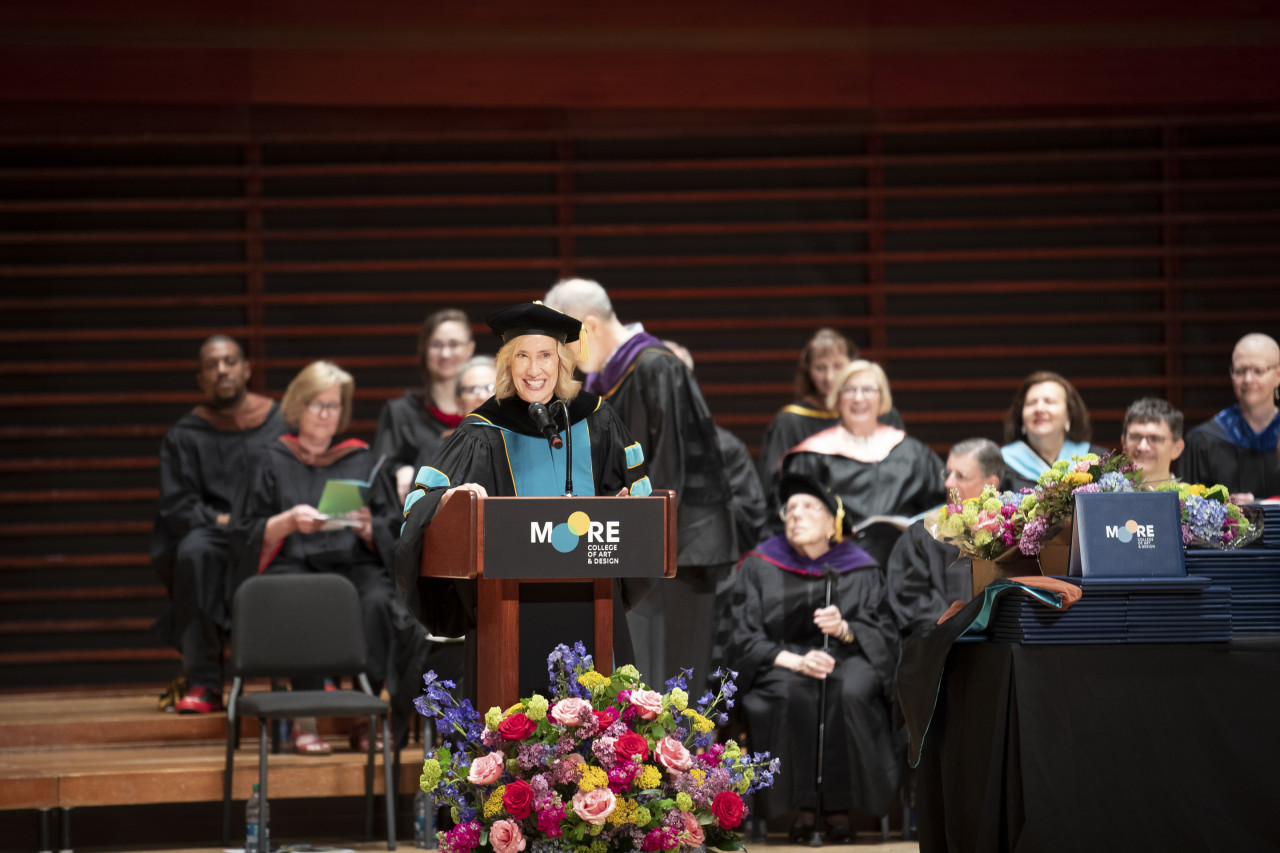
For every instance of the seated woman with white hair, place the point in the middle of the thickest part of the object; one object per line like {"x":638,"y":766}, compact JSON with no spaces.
{"x":875,"y":469}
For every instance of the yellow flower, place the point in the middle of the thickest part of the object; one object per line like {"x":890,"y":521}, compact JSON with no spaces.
{"x":623,"y":812}
{"x":699,"y":775}
{"x":650,"y":777}
{"x":493,"y":805}
{"x":1197,"y":489}
{"x":700,"y":724}
{"x":1078,"y":478}
{"x":592,"y":680}
{"x":519,"y":706}
{"x":591,"y":778}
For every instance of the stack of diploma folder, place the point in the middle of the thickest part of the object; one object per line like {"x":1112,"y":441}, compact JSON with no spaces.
{"x":1271,"y":525}
{"x":1253,"y":574}
{"x":1122,"y":610}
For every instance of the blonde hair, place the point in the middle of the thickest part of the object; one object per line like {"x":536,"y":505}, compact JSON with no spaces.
{"x":861,"y":365}
{"x":313,"y":380}
{"x":504,"y":386}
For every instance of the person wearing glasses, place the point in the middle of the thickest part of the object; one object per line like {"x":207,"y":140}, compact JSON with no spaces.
{"x":1152,"y":438}
{"x":876,"y":469}
{"x":823,"y":357}
{"x":413,"y":426}
{"x":475,"y":383}
{"x":779,"y":617}
{"x":1238,"y":447}
{"x":925,"y":575}
{"x":277,"y":528}
{"x":1046,"y":422}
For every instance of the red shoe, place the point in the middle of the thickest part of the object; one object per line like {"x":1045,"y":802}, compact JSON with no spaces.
{"x":200,"y":700}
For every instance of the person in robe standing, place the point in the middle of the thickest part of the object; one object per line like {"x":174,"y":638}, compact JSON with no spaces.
{"x":499,"y":450}
{"x":277,"y":528}
{"x":925,"y":576}
{"x":1046,"y":422}
{"x":1238,"y":447}
{"x":414,"y":425}
{"x":779,"y":618}
{"x":201,"y":459}
{"x":662,"y":406}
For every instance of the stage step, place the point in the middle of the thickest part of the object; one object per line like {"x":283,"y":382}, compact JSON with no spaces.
{"x":80,"y":748}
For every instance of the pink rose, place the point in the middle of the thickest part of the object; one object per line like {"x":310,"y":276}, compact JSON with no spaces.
{"x":486,"y":769}
{"x":672,"y":755}
{"x":694,"y":836}
{"x":647,"y":703}
{"x":594,"y":807}
{"x":506,"y":837}
{"x":570,"y":712}
{"x":988,"y":521}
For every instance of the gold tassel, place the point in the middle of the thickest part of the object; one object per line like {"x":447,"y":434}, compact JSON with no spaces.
{"x":839,"y":520}
{"x":583,"y":352}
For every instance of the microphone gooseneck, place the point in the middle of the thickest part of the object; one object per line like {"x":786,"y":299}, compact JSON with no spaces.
{"x":542,"y":420}
{"x":568,"y":451}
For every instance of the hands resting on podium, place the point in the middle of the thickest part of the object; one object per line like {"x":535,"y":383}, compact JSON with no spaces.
{"x":480,"y":490}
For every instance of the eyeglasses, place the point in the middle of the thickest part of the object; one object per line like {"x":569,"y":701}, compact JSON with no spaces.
{"x":439,"y":346}
{"x":476,"y":390}
{"x":1252,"y":372}
{"x":324,"y":408}
{"x":864,"y":390}
{"x":1136,"y":438}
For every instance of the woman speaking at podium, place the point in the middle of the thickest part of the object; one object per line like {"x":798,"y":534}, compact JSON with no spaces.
{"x":504,"y":449}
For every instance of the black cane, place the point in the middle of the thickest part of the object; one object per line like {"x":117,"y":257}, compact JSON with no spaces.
{"x":815,"y":840}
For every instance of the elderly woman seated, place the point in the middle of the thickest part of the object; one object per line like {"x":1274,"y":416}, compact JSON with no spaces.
{"x":787,"y":642}
{"x":276,"y":528}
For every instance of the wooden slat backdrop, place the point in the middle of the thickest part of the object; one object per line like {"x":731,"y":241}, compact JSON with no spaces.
{"x":1127,"y":253}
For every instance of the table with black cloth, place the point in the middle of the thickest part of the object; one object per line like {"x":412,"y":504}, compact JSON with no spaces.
{"x":1104,"y":747}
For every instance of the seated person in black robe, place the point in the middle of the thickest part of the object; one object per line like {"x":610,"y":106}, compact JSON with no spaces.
{"x":662,"y":406}
{"x":278,"y":529}
{"x":201,"y":459}
{"x":822,"y":358}
{"x":1151,"y":436}
{"x":498,"y":450}
{"x":787,"y":641}
{"x":925,"y":576}
{"x":874,"y":468}
{"x":1046,"y":422}
{"x":414,"y":425}
{"x":1238,"y":447}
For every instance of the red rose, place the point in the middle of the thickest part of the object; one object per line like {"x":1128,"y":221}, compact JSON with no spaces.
{"x":607,"y":717}
{"x":727,"y":808}
{"x":517,"y":798}
{"x":631,"y":746}
{"x":516,"y":727}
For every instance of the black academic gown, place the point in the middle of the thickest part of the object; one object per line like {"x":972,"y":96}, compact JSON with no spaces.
{"x":407,"y":431}
{"x":925,"y":576}
{"x":477,"y":453}
{"x":279,"y":479}
{"x":1211,"y":457}
{"x":790,"y":426}
{"x":660,"y":402}
{"x":750,"y":508}
{"x":773,"y":612}
{"x":202,"y":458}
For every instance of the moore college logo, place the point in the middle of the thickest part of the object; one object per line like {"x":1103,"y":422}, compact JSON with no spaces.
{"x":602,"y":537}
{"x":1145,"y":534}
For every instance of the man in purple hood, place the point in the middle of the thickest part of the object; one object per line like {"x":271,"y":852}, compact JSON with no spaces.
{"x":662,"y":407}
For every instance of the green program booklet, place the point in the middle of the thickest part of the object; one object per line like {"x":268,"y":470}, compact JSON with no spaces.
{"x":342,"y":497}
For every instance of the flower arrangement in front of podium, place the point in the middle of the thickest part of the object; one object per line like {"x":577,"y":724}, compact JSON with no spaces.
{"x":1210,"y":519}
{"x":1004,"y":525}
{"x":602,"y":764}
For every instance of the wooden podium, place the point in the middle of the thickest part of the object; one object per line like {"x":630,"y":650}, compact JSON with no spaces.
{"x":502,"y":543}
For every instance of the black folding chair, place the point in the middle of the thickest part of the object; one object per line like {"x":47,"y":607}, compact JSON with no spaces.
{"x":301,"y":625}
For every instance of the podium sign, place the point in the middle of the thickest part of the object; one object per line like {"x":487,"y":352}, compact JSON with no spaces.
{"x":1127,"y":534}
{"x":604,"y":537}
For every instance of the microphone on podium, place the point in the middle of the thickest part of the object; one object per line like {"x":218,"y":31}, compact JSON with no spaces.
{"x":546,"y":426}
